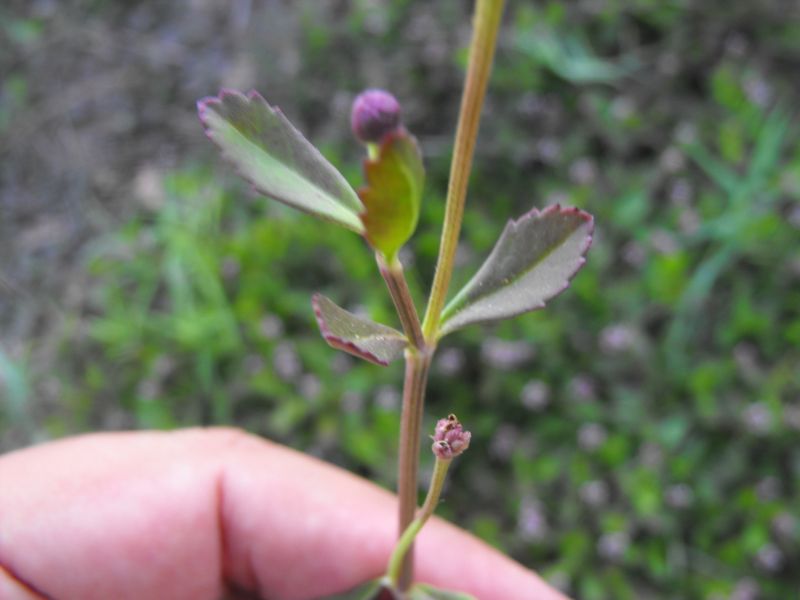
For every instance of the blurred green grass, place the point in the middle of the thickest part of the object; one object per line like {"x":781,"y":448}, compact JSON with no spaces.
{"x":638,"y":438}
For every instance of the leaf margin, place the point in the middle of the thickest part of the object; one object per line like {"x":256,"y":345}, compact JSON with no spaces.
{"x":451,"y":309}
{"x":340,"y":343}
{"x":352,"y":204}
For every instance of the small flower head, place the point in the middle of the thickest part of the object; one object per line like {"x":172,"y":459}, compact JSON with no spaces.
{"x":375,"y":113}
{"x":449,"y":438}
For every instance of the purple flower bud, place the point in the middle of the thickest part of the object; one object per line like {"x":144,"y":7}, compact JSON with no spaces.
{"x":449,"y":438}
{"x":375,"y":113}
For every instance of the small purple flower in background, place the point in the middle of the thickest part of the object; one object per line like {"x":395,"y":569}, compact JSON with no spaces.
{"x":769,"y":557}
{"x":449,"y":438}
{"x":310,"y":387}
{"x":594,"y":493}
{"x":271,"y":327}
{"x":352,"y":401}
{"x":746,"y":589}
{"x":785,"y":526}
{"x":451,"y":361}
{"x":375,"y":113}
{"x":506,"y":355}
{"x":591,"y":436}
{"x":583,"y":171}
{"x":531,"y":522}
{"x":672,"y":160}
{"x":651,"y":455}
{"x":612,"y":546}
{"x":581,"y":388}
{"x":757,"y":418}
{"x":535,"y":395}
{"x":617,"y":338}
{"x":286,"y":362}
{"x":504,"y":441}
{"x":679,"y":495}
{"x":388,"y":397}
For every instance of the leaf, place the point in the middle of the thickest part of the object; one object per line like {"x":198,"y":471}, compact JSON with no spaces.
{"x":393,"y":192}
{"x":533,"y":260}
{"x":361,"y":337}
{"x":422,"y":591}
{"x":569,"y":56}
{"x":269,"y":152}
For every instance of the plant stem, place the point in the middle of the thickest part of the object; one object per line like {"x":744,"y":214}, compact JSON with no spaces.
{"x":418,"y":359}
{"x":401,"y":296}
{"x":407,"y":539}
{"x":416,"y":378}
{"x":486,"y":23}
{"x":423,"y":338}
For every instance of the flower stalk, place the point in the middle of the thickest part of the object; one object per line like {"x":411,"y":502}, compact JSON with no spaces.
{"x":449,"y":440}
{"x":406,"y":540}
{"x":486,"y":25}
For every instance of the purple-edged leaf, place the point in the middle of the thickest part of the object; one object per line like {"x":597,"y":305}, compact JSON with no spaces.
{"x":422,"y":591}
{"x":534,"y":260}
{"x":361,"y":337}
{"x":269,"y":152}
{"x":393,"y":192}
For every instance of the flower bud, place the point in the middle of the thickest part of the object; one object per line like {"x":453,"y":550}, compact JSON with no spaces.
{"x":449,"y":438}
{"x":375,"y":113}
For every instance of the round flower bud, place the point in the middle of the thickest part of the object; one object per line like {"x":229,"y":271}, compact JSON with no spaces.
{"x":375,"y":113}
{"x":449,"y":438}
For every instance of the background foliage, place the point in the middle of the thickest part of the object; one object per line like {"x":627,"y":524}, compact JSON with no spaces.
{"x":638,"y":439}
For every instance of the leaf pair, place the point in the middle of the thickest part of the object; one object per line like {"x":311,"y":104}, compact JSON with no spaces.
{"x":271,"y":154}
{"x":534,"y":259}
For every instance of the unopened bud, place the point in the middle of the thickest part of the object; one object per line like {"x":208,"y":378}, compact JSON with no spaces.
{"x":449,"y":438}
{"x":375,"y":113}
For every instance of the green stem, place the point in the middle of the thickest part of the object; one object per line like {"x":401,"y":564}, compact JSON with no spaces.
{"x":401,"y":296}
{"x":403,"y":545}
{"x":416,"y":378}
{"x":487,"y":17}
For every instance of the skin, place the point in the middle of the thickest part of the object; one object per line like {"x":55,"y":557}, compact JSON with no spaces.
{"x":214,"y":513}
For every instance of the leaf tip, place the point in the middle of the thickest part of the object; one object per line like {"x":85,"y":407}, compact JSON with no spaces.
{"x":203,"y":106}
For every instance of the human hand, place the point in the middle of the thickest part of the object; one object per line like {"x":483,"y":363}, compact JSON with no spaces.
{"x":199,"y":514}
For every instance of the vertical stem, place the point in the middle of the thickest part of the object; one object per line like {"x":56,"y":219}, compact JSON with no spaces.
{"x":486,"y":23}
{"x":418,"y":359}
{"x":407,"y":539}
{"x":416,"y":378}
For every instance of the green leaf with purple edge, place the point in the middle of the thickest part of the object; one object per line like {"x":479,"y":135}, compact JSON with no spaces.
{"x":271,"y":154}
{"x":423,"y":591}
{"x":393,"y":193}
{"x":360,"y":337}
{"x":534,"y":260}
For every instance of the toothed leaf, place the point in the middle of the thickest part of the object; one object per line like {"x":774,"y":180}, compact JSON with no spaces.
{"x":393,"y":191}
{"x":534,"y":260}
{"x":269,"y":152}
{"x":359,"y":336}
